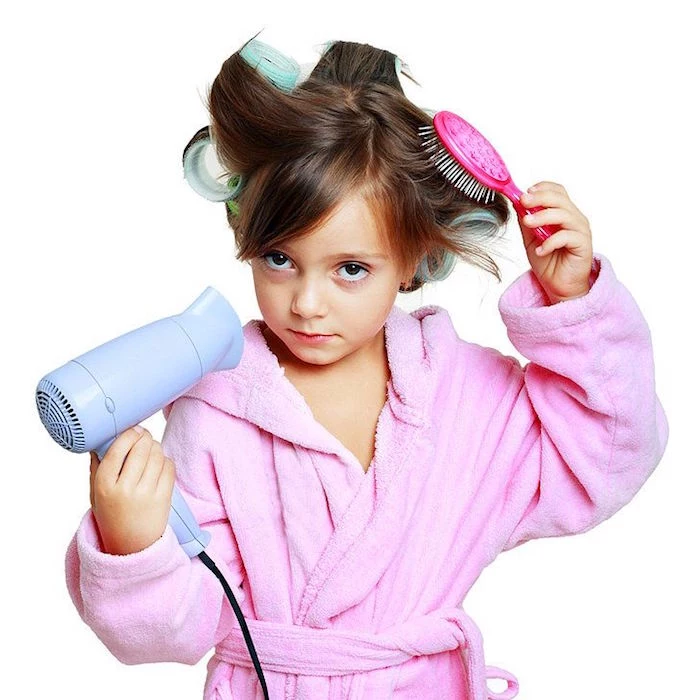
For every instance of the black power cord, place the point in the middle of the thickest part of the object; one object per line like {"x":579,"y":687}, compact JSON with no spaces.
{"x":241,"y":620}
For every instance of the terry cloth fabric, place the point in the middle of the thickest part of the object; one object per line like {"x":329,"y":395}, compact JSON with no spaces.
{"x":353,"y":583}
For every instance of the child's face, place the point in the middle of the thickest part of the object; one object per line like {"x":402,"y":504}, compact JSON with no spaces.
{"x":322,"y":284}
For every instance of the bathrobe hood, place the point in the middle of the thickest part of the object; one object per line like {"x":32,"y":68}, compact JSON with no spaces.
{"x":417,"y":344}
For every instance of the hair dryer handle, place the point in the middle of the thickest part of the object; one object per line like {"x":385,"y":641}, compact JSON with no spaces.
{"x":190,"y":536}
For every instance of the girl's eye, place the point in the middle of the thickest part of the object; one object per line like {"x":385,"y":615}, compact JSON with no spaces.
{"x":354,"y":269}
{"x":274,"y":255}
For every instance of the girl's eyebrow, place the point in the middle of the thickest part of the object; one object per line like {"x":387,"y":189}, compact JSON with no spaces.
{"x":354,"y":255}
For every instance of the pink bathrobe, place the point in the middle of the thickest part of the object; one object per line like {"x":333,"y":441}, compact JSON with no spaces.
{"x":353,"y":582}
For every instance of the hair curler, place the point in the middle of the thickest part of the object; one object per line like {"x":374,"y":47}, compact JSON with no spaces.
{"x":90,"y":400}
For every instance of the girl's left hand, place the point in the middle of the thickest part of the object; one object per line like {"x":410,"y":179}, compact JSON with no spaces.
{"x":564,"y":264}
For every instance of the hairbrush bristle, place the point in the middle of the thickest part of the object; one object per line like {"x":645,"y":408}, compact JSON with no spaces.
{"x":452,"y":169}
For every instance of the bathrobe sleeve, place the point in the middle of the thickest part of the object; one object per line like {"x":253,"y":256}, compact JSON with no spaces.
{"x":158,"y":604}
{"x":591,"y":424}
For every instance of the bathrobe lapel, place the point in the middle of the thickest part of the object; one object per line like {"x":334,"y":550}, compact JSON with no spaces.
{"x":362,"y":544}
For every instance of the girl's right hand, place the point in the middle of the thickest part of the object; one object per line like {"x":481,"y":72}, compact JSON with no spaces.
{"x":130,"y":492}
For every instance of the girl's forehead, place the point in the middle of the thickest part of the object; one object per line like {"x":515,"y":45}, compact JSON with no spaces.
{"x":350,"y":228}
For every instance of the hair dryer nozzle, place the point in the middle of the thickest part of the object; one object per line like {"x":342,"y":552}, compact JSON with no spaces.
{"x":208,"y":318}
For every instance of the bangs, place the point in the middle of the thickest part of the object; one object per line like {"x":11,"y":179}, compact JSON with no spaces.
{"x":292,"y":199}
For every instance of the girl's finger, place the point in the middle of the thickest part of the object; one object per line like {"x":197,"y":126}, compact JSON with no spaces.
{"x":564,"y":238}
{"x":94,"y":463}
{"x":561,"y":217}
{"x":547,"y":185}
{"x":166,"y":479}
{"x":545,"y":198}
{"x":136,"y":462}
{"x":152,"y":469}
{"x":113,"y":460}
{"x":551,"y":196}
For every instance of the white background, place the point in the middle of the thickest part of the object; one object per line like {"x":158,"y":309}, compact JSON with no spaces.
{"x":101,"y":234}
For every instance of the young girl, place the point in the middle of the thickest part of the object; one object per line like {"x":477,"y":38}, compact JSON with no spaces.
{"x":362,"y":465}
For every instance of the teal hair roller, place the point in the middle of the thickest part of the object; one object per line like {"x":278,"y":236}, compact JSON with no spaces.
{"x":476,"y":223}
{"x":278,"y":69}
{"x":199,"y":159}
{"x":197,"y":162}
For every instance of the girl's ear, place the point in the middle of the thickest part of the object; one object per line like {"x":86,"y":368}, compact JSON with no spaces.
{"x":406,"y":284}
{"x":410,"y":275}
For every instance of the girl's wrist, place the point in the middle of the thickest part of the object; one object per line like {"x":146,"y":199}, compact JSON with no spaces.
{"x":556,"y":300}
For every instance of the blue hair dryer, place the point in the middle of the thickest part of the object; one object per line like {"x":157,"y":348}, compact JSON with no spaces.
{"x":90,"y":400}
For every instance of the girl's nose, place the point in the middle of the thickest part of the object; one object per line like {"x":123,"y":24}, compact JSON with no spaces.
{"x":309,"y":298}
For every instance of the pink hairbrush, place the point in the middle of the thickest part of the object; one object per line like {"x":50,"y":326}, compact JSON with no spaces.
{"x":472,"y":164}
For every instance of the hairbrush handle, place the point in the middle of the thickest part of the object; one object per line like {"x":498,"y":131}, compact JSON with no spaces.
{"x":513,"y":193}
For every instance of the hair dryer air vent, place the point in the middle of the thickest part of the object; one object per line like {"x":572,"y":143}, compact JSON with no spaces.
{"x":58,"y":417}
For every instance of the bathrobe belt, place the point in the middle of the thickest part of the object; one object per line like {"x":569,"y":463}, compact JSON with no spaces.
{"x":310,"y":651}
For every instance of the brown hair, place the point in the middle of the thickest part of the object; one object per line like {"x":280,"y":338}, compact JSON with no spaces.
{"x":347,"y":128}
